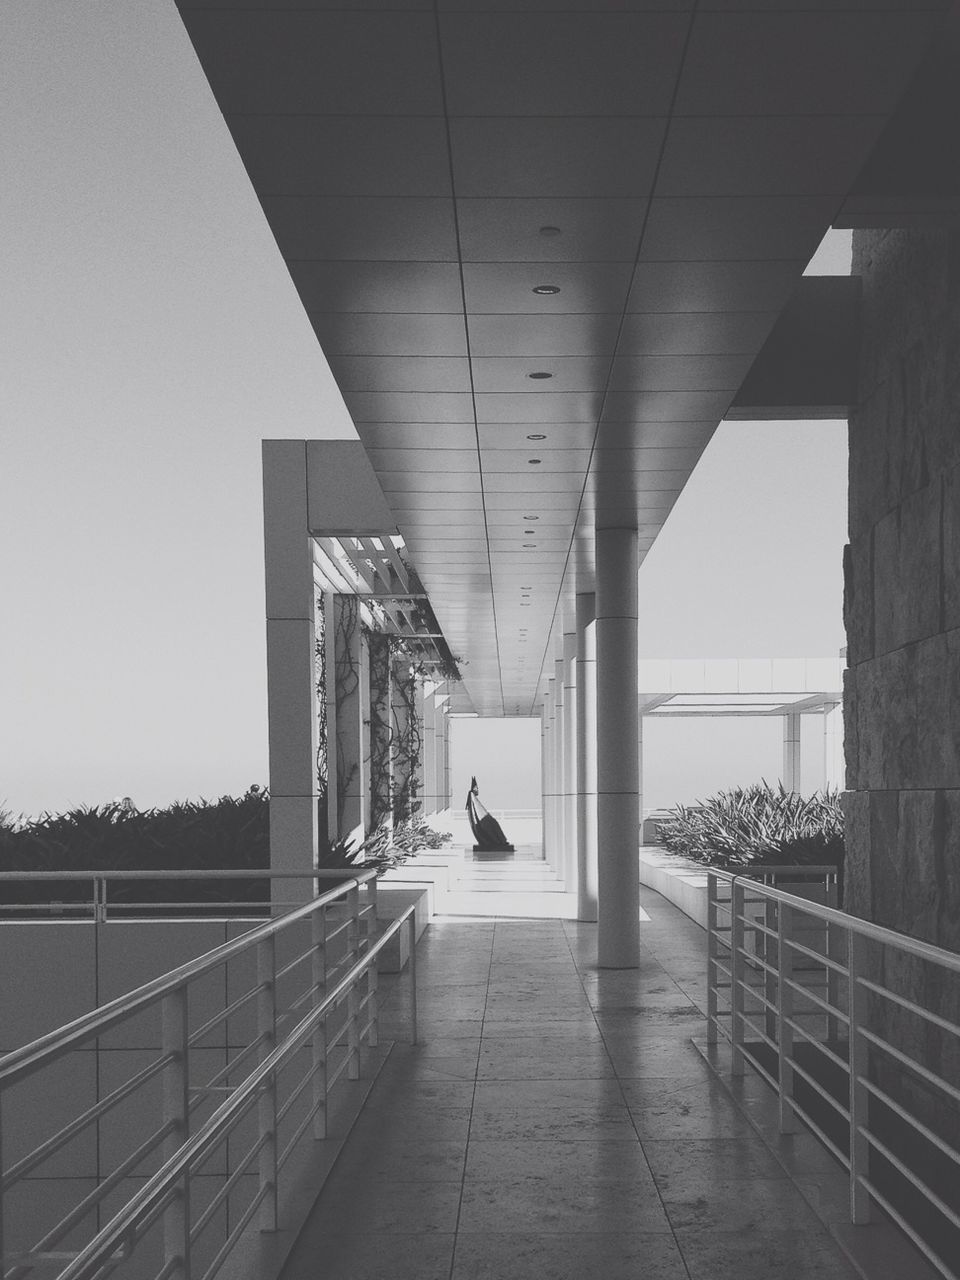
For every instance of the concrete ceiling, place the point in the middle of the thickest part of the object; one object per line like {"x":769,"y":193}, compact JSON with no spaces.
{"x":619,"y":197}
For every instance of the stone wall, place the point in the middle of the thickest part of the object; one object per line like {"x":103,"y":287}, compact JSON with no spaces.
{"x":902,"y":590}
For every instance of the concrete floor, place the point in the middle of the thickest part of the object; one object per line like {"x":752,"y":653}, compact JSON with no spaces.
{"x":556,"y":1122}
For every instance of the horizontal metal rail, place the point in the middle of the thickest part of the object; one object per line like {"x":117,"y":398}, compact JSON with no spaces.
{"x":860,"y":1026}
{"x":322,"y":1000}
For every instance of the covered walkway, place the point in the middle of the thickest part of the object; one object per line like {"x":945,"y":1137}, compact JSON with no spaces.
{"x":558,"y":1121}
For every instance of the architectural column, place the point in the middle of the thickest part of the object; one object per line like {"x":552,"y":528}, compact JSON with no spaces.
{"x":407,"y":729}
{"x":352,"y":729}
{"x":419,"y":757}
{"x":549,"y":810}
{"x":558,"y":761}
{"x":291,"y":666}
{"x":618,"y":796}
{"x":569,"y":788}
{"x":429,"y":737}
{"x":381,"y":735}
{"x":791,"y":752}
{"x":586,"y":750}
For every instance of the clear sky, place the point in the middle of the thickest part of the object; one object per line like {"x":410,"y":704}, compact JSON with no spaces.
{"x":150,"y":338}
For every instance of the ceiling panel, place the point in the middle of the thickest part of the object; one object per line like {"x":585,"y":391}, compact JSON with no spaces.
{"x":377,"y":334}
{"x":344,"y":155}
{"x":761,"y":63}
{"x":779,"y":155}
{"x":664,"y":406}
{"x":574,"y":65}
{"x":418,"y":435}
{"x":695,"y":333}
{"x":740,"y":228}
{"x":555,"y":230}
{"x":541,"y":158}
{"x":712,"y":286}
{"x":679,"y":373}
{"x":379,"y":286}
{"x":500,"y":460}
{"x":362,"y":227}
{"x":545,"y":335}
{"x":513,"y":374}
{"x":294,"y":61}
{"x":403,"y":406}
{"x":514,"y":435}
{"x":508,"y":288}
{"x":570,"y":406}
{"x":400,"y":373}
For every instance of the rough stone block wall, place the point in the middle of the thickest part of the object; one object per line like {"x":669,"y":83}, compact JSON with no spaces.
{"x":902,"y":590}
{"x":902,"y":613}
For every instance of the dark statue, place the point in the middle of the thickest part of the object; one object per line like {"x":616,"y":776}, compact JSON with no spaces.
{"x":487,"y":831}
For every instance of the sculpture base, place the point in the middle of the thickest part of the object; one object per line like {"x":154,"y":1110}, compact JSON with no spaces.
{"x":492,"y":853}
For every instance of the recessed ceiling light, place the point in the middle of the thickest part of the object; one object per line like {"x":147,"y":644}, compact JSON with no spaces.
{"x":537,"y":435}
{"x":550,"y":231}
{"x":534,"y":461}
{"x":531,"y":517}
{"x":540,"y":374}
{"x":546,"y":288}
{"x":529,"y":531}
{"x":529,"y":544}
{"x":525,"y":604}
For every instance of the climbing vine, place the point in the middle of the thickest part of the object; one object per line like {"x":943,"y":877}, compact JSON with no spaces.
{"x":408,"y":735}
{"x":381,"y":730}
{"x":347,"y":680}
{"x":320,"y":678}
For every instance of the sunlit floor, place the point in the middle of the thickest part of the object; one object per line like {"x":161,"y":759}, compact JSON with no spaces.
{"x":557,"y":1122}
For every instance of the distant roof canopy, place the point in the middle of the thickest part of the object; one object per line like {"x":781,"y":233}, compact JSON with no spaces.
{"x":740,"y":686}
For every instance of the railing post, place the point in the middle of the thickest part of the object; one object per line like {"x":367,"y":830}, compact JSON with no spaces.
{"x":318,"y":929}
{"x":353,"y":952}
{"x":373,"y":975}
{"x":785,"y":1006}
{"x":770,"y":982}
{"x":833,"y":935}
{"x":267,"y":1105}
{"x":412,"y":922}
{"x":737,"y":968}
{"x":712,"y":972}
{"x":176,"y":1096}
{"x":861,"y":1205}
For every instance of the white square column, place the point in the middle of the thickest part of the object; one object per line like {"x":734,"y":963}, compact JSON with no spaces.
{"x":352,"y":726}
{"x":291,"y":675}
{"x":569,"y":788}
{"x":586,"y":757}
{"x":791,"y":751}
{"x":618,"y":757}
{"x":429,"y":735}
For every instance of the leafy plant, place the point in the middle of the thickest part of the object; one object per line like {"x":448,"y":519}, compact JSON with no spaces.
{"x":757,"y":824}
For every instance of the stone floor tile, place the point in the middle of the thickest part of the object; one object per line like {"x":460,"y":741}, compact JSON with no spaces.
{"x":333,"y":1255}
{"x":763,"y":1255}
{"x":370,"y":1159}
{"x":667,"y":1107}
{"x":521,"y":1204}
{"x":491,"y":1095}
{"x":585,"y":1163}
{"x":687,"y":1165}
{"x":746,"y":1205}
{"x":599,"y":1122}
{"x":405,"y":1207}
{"x":561,"y":1256}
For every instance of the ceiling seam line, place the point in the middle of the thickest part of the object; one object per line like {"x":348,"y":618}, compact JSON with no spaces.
{"x":466,"y":337}
{"x":620,"y":326}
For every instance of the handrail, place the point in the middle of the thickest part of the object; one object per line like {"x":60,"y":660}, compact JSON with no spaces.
{"x":191,"y":873}
{"x":21,"y":1062}
{"x":820,"y":1009}
{"x":156,"y":1191}
{"x":865,"y":928}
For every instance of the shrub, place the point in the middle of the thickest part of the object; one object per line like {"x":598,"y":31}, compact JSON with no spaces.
{"x":756,"y":825}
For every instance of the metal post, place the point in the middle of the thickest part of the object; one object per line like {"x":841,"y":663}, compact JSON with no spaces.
{"x":833,"y":935}
{"x":353,"y":955}
{"x":712,"y":972}
{"x":318,"y":931}
{"x":267,"y":1106}
{"x":770,"y":983}
{"x":373,"y":974}
{"x":412,"y":921}
{"x":861,"y":1205}
{"x":737,"y":967}
{"x":785,"y":934}
{"x":176,"y":1093}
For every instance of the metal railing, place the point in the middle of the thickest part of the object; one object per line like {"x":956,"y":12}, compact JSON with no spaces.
{"x":100,"y":907}
{"x":218,"y":1091}
{"x":857,"y":1028}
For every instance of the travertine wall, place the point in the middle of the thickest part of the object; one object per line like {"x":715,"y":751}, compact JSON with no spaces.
{"x":902,"y":598}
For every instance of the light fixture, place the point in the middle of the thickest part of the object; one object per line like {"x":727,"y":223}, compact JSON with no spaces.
{"x":529,"y":531}
{"x":531,"y":517}
{"x":546,"y":289}
{"x":534,"y":462}
{"x":537,"y":435}
{"x":529,"y":544}
{"x":539,"y":375}
{"x":550,"y":231}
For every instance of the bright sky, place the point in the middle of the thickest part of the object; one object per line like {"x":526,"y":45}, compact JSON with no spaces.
{"x":150,"y":338}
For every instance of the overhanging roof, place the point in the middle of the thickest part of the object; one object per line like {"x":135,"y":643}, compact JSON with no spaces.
{"x":542,"y":250}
